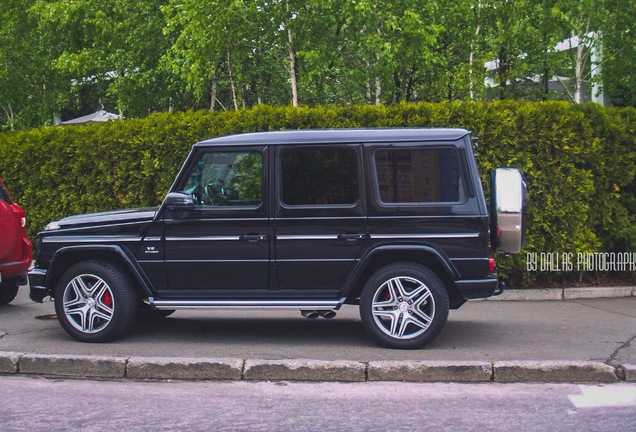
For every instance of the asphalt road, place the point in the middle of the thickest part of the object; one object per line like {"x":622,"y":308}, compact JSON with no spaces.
{"x":36,"y":404}
{"x":579,"y":330}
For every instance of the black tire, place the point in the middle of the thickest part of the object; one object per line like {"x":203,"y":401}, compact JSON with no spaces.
{"x":95,"y":302}
{"x":404,"y":305}
{"x":8,"y":292}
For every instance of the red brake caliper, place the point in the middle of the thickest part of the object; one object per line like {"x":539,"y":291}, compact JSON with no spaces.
{"x":107,"y":299}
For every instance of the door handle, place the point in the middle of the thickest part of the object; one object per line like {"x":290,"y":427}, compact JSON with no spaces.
{"x":352,"y":236}
{"x":254,"y":237}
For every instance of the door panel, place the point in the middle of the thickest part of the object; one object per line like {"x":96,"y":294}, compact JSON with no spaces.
{"x":222,"y":246}
{"x":320,"y":224}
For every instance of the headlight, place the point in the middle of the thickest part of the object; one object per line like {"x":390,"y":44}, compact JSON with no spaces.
{"x":52,"y":226}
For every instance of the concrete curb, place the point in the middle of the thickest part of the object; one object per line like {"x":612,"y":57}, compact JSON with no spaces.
{"x":430,"y":371}
{"x":630,"y":372}
{"x":10,"y":362}
{"x":167,"y":368}
{"x":73,"y":365}
{"x":567,"y":293}
{"x":184,"y":368}
{"x":304,"y":370}
{"x":554,"y":371}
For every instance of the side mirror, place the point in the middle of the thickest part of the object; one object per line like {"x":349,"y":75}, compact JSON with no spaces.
{"x":507,"y":211}
{"x":179,"y":201}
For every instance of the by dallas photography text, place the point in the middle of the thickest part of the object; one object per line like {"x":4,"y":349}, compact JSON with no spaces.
{"x":582,"y":262}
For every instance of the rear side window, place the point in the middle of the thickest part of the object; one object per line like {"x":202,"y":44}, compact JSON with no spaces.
{"x":419,"y":175}
{"x":319,"y":176}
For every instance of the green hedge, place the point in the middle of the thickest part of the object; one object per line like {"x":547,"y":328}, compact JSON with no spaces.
{"x":578,"y":160}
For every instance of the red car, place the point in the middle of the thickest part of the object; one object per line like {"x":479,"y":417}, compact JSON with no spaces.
{"x":15,"y":247}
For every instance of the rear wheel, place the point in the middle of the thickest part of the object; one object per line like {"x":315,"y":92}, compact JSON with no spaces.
{"x":404,"y":305}
{"x":95,"y":302}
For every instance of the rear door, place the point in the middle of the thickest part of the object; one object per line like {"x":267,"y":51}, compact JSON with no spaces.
{"x":320,"y":223}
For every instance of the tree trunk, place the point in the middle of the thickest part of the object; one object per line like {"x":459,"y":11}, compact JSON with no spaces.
{"x":502,"y":71}
{"x":213,"y":92}
{"x":546,"y":82}
{"x":471,"y":56}
{"x":378,"y":84}
{"x":292,"y":70}
{"x":10,"y":115}
{"x":368,"y":85}
{"x":471,"y":83}
{"x":229,"y":69}
{"x":579,"y":68}
{"x":292,"y":62}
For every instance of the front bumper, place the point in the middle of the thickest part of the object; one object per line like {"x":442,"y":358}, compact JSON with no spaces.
{"x":38,"y":289}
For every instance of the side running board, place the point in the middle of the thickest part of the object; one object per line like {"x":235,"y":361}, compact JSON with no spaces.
{"x":245,"y":304}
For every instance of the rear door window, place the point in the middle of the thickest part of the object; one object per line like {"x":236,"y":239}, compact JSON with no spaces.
{"x":319,"y":176}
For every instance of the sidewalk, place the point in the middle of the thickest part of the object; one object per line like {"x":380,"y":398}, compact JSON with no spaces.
{"x":569,"y":293}
{"x":572,"y":335}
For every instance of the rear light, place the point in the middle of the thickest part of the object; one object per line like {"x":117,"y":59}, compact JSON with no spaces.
{"x":492,"y":267}
{"x":23,"y":222}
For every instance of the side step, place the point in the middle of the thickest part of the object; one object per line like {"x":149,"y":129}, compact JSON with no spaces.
{"x":246,"y":304}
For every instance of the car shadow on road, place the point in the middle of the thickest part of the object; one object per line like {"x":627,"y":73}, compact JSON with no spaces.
{"x":241,"y":330}
{"x":343,"y":332}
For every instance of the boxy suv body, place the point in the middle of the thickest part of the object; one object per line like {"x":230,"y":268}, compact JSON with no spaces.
{"x":15,"y":247}
{"x":394,"y":220}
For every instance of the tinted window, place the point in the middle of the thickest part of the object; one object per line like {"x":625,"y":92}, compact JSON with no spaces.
{"x":319,"y":176}
{"x":227,"y":179}
{"x":419,"y":175}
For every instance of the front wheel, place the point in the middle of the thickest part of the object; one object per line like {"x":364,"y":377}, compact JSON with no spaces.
{"x":8,"y":292}
{"x":404,"y":305}
{"x":95,"y":302}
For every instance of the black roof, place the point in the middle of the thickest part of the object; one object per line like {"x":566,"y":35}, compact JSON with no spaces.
{"x":324,"y":136}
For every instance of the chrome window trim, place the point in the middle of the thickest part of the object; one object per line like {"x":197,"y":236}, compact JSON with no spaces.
{"x":425,"y":216}
{"x":321,"y":218}
{"x":317,"y":260}
{"x":95,"y":239}
{"x":307,"y":237}
{"x":63,"y":229}
{"x":203,"y":238}
{"x":422,"y":236}
{"x":214,"y":261}
{"x":469,"y":259}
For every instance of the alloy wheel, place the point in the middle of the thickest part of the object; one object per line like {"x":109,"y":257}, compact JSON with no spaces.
{"x":403,"y":307}
{"x":88,"y":303}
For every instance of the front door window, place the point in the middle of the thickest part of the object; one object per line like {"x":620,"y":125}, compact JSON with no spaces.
{"x":227,"y":179}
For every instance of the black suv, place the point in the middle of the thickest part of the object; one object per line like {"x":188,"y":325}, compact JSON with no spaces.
{"x":394,"y":220}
